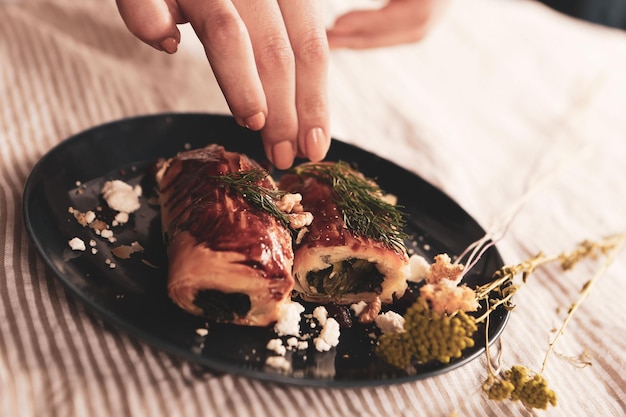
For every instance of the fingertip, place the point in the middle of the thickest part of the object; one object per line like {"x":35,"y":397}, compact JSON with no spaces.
{"x":169,"y":45}
{"x":152,"y":22}
{"x":282,"y":154}
{"x":316,"y":143}
{"x":255,"y":122}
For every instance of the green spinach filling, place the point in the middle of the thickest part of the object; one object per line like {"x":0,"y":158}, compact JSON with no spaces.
{"x":222,"y":307}
{"x":350,"y":276}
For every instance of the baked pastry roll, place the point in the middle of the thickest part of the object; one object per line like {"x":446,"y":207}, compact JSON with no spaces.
{"x":230,"y":259}
{"x":354,"y":249}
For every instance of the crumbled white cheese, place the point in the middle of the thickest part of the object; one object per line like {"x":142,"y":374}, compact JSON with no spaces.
{"x":83,"y":218}
{"x":321,"y":345}
{"x":390,"y":322}
{"x":358,"y":307}
{"x":108,"y":234}
{"x":120,"y":218}
{"x":289,"y":322}
{"x":90,"y":216}
{"x":278,"y":363}
{"x":321,"y":314}
{"x":77,"y":244}
{"x":121,"y":196}
{"x":277,"y":346}
{"x":419,"y":267}
{"x":329,"y":336}
{"x":292,"y":342}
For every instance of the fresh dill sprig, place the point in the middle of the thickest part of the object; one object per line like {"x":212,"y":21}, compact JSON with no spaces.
{"x":248,"y":185}
{"x":365,"y":212}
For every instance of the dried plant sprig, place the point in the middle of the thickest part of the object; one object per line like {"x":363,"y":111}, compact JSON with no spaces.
{"x":503,"y":279}
{"x":580,"y":361}
{"x":610,"y":247}
{"x":519,"y":383}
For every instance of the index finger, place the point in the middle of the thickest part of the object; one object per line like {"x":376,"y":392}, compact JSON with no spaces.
{"x":227,"y":46}
{"x":304,"y":23}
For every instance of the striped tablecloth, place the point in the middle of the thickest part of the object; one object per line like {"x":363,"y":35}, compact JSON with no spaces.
{"x":505,"y":103}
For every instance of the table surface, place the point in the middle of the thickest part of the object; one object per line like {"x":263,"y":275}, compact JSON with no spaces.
{"x":508,"y":107}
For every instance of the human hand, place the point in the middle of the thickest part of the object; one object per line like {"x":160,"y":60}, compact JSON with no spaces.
{"x":397,"y":22}
{"x":270,"y":59}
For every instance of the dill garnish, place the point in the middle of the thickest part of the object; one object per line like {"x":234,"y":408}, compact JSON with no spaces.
{"x":365,"y":213}
{"x":249,"y":185}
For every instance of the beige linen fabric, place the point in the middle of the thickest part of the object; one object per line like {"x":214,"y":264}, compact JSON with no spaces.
{"x":502,"y":97}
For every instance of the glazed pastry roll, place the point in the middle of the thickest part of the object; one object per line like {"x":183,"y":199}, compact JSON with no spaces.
{"x":229,"y":259}
{"x":354,"y":248}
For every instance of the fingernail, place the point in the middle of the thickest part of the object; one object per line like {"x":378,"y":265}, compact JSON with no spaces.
{"x":255,"y":122}
{"x":169,"y":45}
{"x":283,"y":154}
{"x":316,"y":144}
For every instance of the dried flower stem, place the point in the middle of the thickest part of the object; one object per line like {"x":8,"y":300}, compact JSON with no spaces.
{"x":503,"y":278}
{"x":503,"y":282}
{"x":492,"y":370}
{"x":610,"y":247}
{"x":519,"y":383}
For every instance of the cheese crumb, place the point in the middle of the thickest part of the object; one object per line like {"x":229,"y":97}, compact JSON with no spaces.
{"x":390,"y":322}
{"x":121,"y":196}
{"x":77,"y":244}
{"x":120,"y":218}
{"x":419,"y":267}
{"x":329,"y":336}
{"x":292,"y":342}
{"x":289,"y":322}
{"x":108,"y":234}
{"x":83,"y":218}
{"x":358,"y":307}
{"x":321,"y":314}
{"x":277,"y":346}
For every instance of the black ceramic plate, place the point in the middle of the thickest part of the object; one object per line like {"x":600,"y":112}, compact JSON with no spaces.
{"x":133,"y":294}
